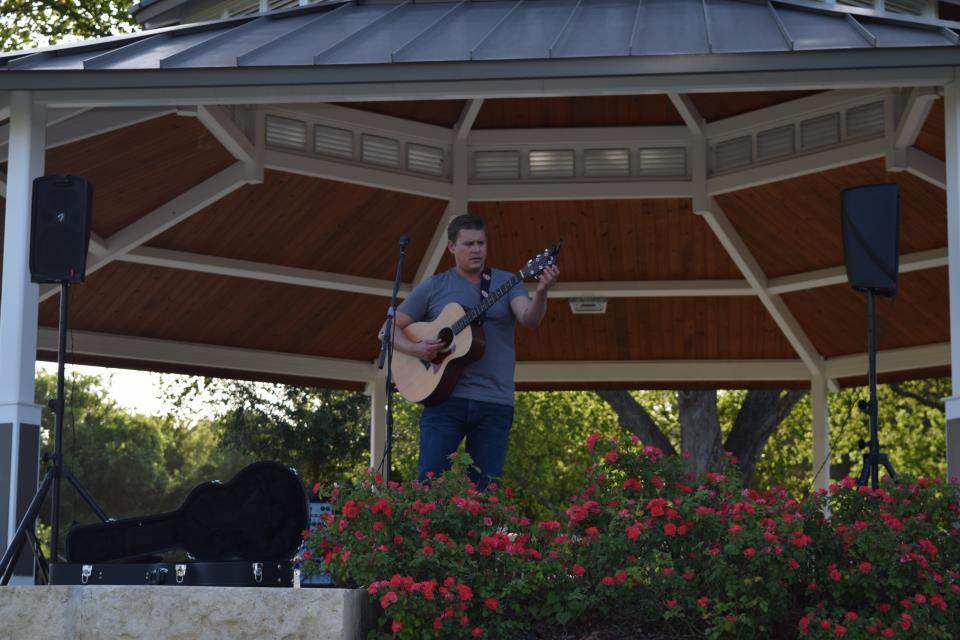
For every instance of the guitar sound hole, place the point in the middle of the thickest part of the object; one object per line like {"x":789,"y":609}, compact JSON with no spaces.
{"x":446,"y":335}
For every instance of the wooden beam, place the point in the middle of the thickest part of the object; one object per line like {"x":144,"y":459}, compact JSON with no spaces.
{"x":261,"y":271}
{"x":356,"y":174}
{"x":208,"y":356}
{"x":917,"y":261}
{"x":748,"y":265}
{"x":926,"y":167}
{"x":348,"y":90}
{"x":795,"y":166}
{"x":914,"y":115}
{"x":74,"y":124}
{"x":168,"y":259}
{"x":572,"y":190}
{"x":219,"y":123}
{"x":891,"y":360}
{"x":120,"y":347}
{"x":689,"y":112}
{"x":659,"y":371}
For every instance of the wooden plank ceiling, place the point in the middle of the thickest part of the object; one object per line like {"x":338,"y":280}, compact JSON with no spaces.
{"x":310,"y":223}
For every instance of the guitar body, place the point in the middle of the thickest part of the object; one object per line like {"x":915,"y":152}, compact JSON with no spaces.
{"x":432,"y":382}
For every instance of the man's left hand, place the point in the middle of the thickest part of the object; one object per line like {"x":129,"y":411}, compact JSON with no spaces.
{"x":547,"y":278}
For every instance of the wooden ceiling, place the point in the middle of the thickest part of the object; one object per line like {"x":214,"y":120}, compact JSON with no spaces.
{"x":584,"y":111}
{"x":793,"y":226}
{"x":608,"y":240}
{"x":137,"y":169}
{"x":311,"y":223}
{"x":295,"y":221}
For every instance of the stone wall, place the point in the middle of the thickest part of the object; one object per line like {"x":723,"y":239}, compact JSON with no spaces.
{"x":181,"y":613}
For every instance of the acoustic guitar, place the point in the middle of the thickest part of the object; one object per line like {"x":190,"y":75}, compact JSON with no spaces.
{"x":432,"y":382}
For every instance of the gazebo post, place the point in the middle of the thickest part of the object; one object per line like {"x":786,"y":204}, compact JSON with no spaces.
{"x":820,"y":410}
{"x":377,"y":390}
{"x":19,"y":416}
{"x":952,"y":130}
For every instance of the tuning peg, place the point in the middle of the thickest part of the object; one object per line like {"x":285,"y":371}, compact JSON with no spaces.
{"x":530,"y":261}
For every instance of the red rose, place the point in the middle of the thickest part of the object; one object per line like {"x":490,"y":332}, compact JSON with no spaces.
{"x":382,"y":506}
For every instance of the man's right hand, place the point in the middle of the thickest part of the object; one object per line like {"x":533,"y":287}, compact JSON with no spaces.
{"x":427,"y":350}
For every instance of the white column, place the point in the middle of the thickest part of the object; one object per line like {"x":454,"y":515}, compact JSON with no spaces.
{"x":377,"y":390}
{"x":19,"y":416}
{"x":820,"y":411}
{"x":952,"y":125}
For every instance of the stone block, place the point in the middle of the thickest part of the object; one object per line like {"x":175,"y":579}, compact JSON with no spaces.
{"x":181,"y":613}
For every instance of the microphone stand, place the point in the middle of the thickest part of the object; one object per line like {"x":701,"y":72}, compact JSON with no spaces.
{"x":386,"y":354}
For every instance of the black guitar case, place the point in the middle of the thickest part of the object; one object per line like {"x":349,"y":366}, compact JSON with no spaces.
{"x":259,"y":516}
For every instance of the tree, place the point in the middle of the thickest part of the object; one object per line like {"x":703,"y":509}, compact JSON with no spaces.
{"x":546,"y":455}
{"x":116,"y":456}
{"x":701,"y":433}
{"x":31,"y":23}
{"x":131,"y":464}
{"x":323,"y":433}
{"x":912,"y":431}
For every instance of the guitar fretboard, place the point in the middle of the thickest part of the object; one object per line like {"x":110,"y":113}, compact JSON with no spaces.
{"x":487,"y":302}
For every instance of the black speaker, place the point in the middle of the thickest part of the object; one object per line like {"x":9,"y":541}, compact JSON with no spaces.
{"x":871,"y":237}
{"x":60,"y":228}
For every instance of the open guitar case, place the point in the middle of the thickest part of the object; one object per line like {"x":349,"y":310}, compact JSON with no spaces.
{"x":240,"y":533}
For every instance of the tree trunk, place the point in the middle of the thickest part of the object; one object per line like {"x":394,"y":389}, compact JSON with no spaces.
{"x":700,"y":430}
{"x":636,"y":420}
{"x":760,"y":414}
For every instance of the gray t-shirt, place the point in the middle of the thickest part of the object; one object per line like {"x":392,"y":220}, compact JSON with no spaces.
{"x":489,"y":379}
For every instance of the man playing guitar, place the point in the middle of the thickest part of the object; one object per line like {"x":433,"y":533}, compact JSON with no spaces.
{"x":480,"y":406}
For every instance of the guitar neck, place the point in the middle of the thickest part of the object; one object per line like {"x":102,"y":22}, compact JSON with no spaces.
{"x":487,"y":302}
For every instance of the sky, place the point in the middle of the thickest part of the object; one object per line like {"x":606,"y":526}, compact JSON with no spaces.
{"x":138,"y":391}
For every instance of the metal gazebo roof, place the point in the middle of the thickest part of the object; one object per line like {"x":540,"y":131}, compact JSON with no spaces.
{"x":405,"y":41}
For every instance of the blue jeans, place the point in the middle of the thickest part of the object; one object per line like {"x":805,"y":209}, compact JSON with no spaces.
{"x":486,"y":426}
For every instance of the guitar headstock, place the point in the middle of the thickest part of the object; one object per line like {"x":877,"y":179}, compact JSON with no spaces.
{"x":541,"y":261}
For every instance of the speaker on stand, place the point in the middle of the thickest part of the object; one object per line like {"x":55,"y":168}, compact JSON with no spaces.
{"x":870,"y":218}
{"x":59,"y":236}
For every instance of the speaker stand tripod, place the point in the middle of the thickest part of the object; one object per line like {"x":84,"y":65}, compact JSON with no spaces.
{"x":873,"y":459}
{"x":56,"y":471}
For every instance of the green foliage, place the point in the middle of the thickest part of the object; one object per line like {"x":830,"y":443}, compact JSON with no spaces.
{"x":131,"y":464}
{"x":438,"y":559}
{"x":546,"y":455}
{"x":912,"y":431}
{"x":891,"y":563}
{"x":323,"y":433}
{"x":31,"y":23}
{"x":646,"y":546}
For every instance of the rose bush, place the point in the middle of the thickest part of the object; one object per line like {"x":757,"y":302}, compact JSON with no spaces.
{"x":645,"y":545}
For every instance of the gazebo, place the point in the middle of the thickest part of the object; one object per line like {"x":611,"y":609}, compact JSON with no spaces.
{"x":252,"y":175}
